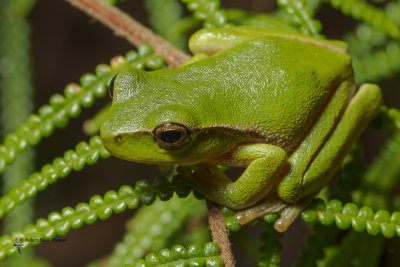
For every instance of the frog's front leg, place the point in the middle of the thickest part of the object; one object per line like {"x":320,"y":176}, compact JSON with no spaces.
{"x":266,"y":164}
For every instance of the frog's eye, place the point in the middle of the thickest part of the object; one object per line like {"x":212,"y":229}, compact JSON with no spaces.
{"x":111,"y":86}
{"x":171,"y":135}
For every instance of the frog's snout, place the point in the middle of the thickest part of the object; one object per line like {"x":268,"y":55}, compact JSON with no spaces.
{"x":109,"y":133}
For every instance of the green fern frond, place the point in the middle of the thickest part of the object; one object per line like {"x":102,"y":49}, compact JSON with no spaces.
{"x":271,"y":246}
{"x":89,"y":154}
{"x":61,"y":223}
{"x":85,"y":153}
{"x":26,"y":260}
{"x":208,"y":11}
{"x":382,"y":176}
{"x":326,"y":236}
{"x":241,"y":17}
{"x":16,"y":96}
{"x":394,"y":116}
{"x":313,"y":4}
{"x":385,"y":169}
{"x":388,"y":117}
{"x":178,"y":256}
{"x":152,"y":227}
{"x":302,"y":16}
{"x":361,"y":248}
{"x":379,"y":64}
{"x":230,"y":222}
{"x":16,"y":79}
{"x":370,"y":47}
{"x":365,"y":38}
{"x":361,"y":10}
{"x":363,"y":219}
{"x":98,"y":207}
{"x":164,"y":16}
{"x":164,"y":189}
{"x":196,"y":231}
{"x":321,"y":238}
{"x":61,"y":108}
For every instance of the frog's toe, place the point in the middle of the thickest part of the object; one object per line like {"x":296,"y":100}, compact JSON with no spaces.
{"x":291,"y":212}
{"x":268,"y":206}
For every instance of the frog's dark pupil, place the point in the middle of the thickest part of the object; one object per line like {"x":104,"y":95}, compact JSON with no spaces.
{"x":171,"y":137}
{"x":111,"y":87}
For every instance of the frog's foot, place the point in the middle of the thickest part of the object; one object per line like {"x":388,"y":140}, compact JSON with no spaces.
{"x":289,"y":212}
{"x":268,"y":206}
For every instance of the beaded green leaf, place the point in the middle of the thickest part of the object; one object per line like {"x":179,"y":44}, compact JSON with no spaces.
{"x":63,"y":107}
{"x":207,"y":255}
{"x":360,"y":219}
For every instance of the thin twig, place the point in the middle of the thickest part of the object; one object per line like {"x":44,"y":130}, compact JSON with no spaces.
{"x":219,"y":233}
{"x":125,"y":26}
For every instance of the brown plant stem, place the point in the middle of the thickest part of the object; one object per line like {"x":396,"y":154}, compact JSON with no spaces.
{"x":125,"y":26}
{"x":219,"y":233}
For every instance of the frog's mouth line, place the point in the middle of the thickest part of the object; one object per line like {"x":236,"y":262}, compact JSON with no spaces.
{"x":120,"y":149}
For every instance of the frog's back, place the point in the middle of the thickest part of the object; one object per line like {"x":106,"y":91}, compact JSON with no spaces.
{"x":268,"y":87}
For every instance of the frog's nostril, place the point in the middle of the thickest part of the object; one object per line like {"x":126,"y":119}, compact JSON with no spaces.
{"x":118,"y":138}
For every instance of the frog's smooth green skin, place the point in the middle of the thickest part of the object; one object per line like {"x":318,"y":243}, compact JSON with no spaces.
{"x":278,"y":103}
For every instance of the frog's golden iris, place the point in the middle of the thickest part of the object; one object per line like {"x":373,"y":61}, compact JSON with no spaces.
{"x":171,"y":135}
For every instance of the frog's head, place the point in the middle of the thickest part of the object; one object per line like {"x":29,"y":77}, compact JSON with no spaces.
{"x":154,"y":120}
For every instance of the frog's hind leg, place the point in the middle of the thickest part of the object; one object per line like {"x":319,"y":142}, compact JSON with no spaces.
{"x":289,"y":188}
{"x":361,"y":109}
